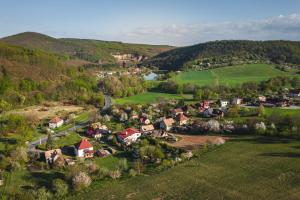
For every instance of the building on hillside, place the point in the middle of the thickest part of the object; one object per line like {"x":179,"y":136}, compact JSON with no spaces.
{"x":236,"y":101}
{"x":223,"y":103}
{"x":204,"y":105}
{"x":129,"y":135}
{"x":262,"y":98}
{"x":56,"y":122}
{"x":84,"y":149}
{"x":167,"y":124}
{"x":147,"y":129}
{"x":177,"y":111}
{"x":182,"y":119}
{"x":145,"y":120}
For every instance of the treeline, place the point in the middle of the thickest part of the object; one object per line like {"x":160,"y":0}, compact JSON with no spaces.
{"x":123,"y":86}
{"x":231,"y":51}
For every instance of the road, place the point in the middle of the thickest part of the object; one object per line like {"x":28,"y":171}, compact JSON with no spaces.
{"x":32,"y":145}
{"x":108,"y":102}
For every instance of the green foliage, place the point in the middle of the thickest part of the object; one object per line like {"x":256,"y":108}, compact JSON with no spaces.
{"x":60,"y":187}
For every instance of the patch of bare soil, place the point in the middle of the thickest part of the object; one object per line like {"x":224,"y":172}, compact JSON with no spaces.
{"x":190,"y":142}
{"x":46,"y":111}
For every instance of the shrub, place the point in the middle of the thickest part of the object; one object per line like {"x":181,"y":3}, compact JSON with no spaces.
{"x":115,"y":174}
{"x":42,"y":194}
{"x":80,"y":181}
{"x":132,"y":173}
{"x":60,"y":187}
{"x":103,"y":172}
{"x":122,"y":164}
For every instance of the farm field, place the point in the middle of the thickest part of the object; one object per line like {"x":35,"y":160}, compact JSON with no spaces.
{"x":249,"y":167}
{"x":150,"y":97}
{"x":231,"y":75}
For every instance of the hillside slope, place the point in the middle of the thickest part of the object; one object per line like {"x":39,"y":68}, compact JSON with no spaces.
{"x":90,"y":50}
{"x":227,"y":52}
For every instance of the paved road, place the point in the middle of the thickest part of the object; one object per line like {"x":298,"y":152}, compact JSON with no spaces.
{"x":32,"y":145}
{"x":108,"y":102}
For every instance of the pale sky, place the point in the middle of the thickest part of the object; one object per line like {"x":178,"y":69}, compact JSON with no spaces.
{"x":173,"y":22}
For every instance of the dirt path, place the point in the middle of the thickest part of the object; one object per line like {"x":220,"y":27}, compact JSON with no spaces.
{"x":190,"y":142}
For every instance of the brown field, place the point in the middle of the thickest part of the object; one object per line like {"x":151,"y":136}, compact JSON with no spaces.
{"x":190,"y":142}
{"x":46,"y":111}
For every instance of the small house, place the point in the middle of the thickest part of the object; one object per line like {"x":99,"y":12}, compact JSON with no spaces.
{"x":223,"y":103}
{"x":84,"y":149}
{"x":236,"y":101}
{"x":167,"y":124}
{"x":145,"y":120}
{"x":129,"y":135}
{"x":146,"y":129}
{"x":262,"y":98}
{"x":102,"y":153}
{"x":182,"y":119}
{"x":56,"y":122}
{"x":177,"y":111}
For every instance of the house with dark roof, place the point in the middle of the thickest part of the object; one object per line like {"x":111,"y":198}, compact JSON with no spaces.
{"x":84,"y":149}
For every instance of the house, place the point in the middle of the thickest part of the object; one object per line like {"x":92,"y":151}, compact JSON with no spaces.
{"x":167,"y":124}
{"x":210,"y":112}
{"x":129,"y":135}
{"x":294,"y":93}
{"x":96,"y":130}
{"x":145,"y":120}
{"x":204,"y":105}
{"x":223,"y":103}
{"x":236,"y":101}
{"x":52,"y":155}
{"x":84,"y":149}
{"x":159,"y":134}
{"x":56,"y":122}
{"x":262,"y":98}
{"x":182,"y":119}
{"x":177,"y":111}
{"x":102,"y":153}
{"x":146,"y":129}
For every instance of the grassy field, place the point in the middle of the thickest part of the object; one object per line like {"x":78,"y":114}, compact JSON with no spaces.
{"x":243,"y":168}
{"x":282,"y":111}
{"x":231,"y":75}
{"x":150,"y":97}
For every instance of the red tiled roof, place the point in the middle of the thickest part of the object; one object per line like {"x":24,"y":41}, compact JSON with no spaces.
{"x":169,"y":121}
{"x":177,"y":110}
{"x":128,"y":132}
{"x":83,"y":144}
{"x":55,"y":120}
{"x":182,"y":117}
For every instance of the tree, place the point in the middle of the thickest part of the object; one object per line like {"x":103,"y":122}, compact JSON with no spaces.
{"x":60,"y":187}
{"x":198,"y":94}
{"x":49,"y":143}
{"x":81,"y":180}
{"x":261,"y":111}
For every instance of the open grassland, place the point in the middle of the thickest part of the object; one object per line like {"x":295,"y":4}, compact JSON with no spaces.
{"x":231,"y":75}
{"x":243,"y":168}
{"x":150,"y":97}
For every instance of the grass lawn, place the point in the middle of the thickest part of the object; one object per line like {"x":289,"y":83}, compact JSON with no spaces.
{"x":231,"y":75}
{"x":68,"y":140}
{"x":150,"y":97}
{"x":283,"y":111}
{"x":243,"y":168}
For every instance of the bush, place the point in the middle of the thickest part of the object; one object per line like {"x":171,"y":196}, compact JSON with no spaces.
{"x":60,"y":187}
{"x":122,"y":164}
{"x":103,"y":172}
{"x":115,"y":174}
{"x":132,"y":173}
{"x":81,"y":180}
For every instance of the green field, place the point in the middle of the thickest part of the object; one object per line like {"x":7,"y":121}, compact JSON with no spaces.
{"x":150,"y":97}
{"x":230,"y":75}
{"x":243,"y":168}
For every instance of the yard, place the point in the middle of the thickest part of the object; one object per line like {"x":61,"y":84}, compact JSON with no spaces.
{"x":150,"y":97}
{"x":244,"y":168}
{"x":231,"y":75}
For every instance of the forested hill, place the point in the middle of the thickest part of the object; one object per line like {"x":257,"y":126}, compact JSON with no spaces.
{"x":227,"y":52}
{"x":85,"y":49}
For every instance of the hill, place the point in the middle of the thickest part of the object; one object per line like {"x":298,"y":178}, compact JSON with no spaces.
{"x":85,"y":49}
{"x":223,"y":53}
{"x":231,"y":75}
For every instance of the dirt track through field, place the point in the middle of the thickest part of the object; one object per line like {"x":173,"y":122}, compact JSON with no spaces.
{"x":190,"y":142}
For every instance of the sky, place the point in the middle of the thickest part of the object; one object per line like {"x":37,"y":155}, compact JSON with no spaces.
{"x":172,"y":22}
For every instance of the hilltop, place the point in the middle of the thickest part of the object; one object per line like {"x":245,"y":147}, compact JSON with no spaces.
{"x":85,"y":49}
{"x":229,"y":52}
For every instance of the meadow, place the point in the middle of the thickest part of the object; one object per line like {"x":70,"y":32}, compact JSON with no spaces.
{"x":249,"y":167}
{"x":231,"y":75}
{"x":150,"y":97}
